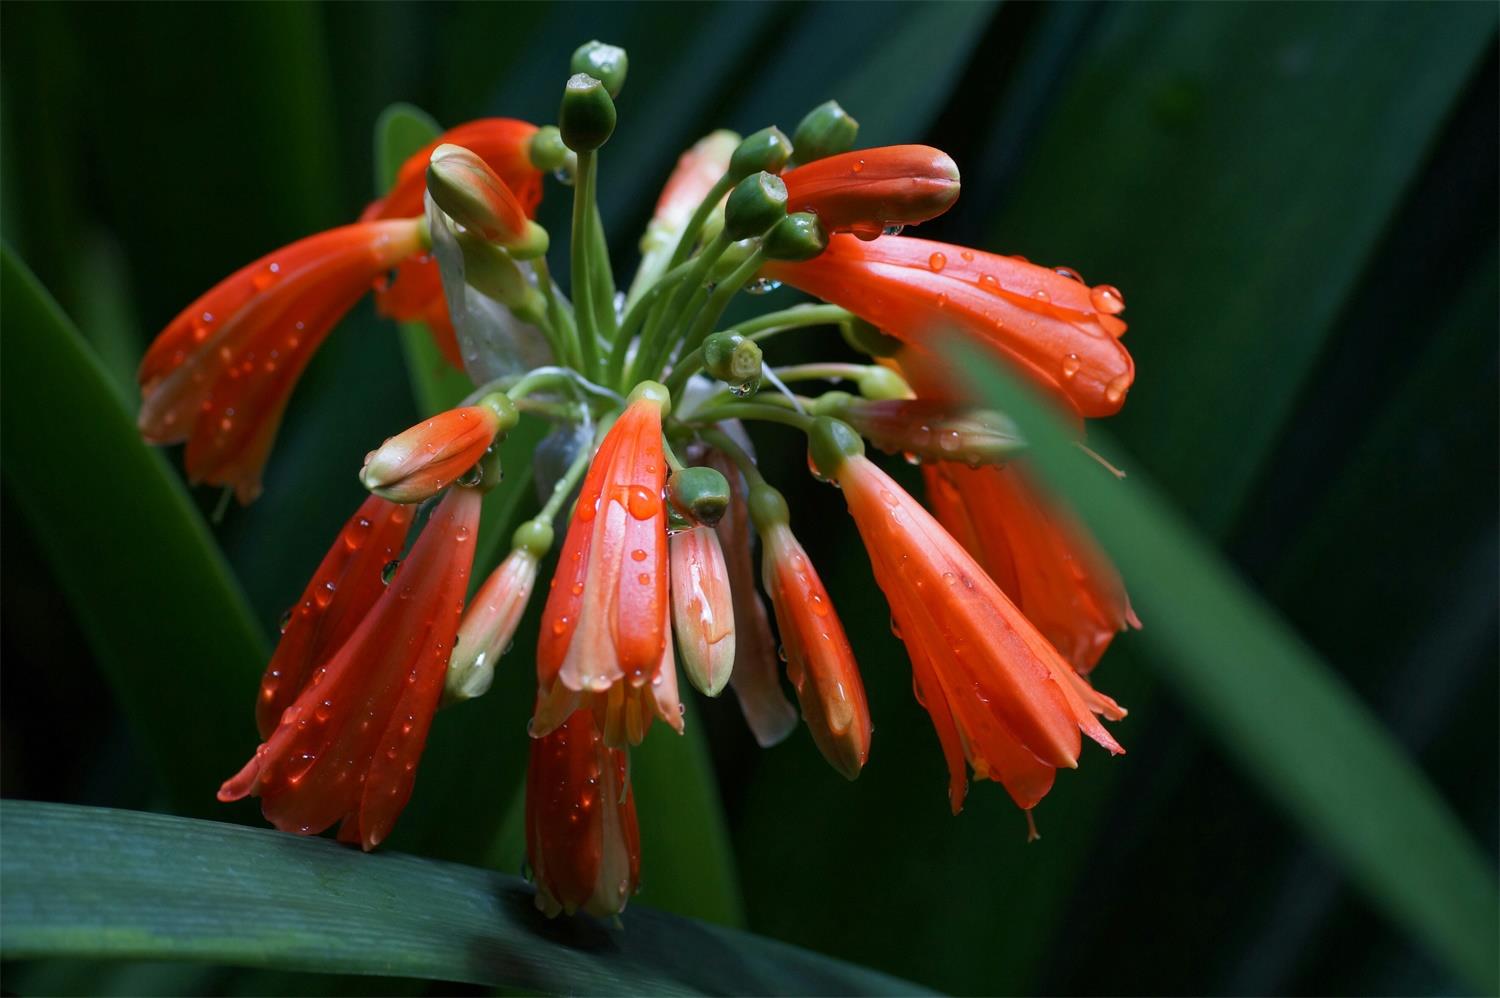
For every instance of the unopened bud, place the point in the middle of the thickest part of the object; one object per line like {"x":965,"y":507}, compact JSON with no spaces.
{"x":605,"y":63}
{"x":702,"y":607}
{"x":586,"y":119}
{"x":756,"y":203}
{"x":492,"y":271}
{"x":474,"y":196}
{"x":420,"y":462}
{"x":883,"y":383}
{"x":489,"y":625}
{"x":700,"y":494}
{"x":871,"y":192}
{"x":827,"y":130}
{"x":932,"y":431}
{"x":796,"y":237}
{"x":767,"y":149}
{"x":734,"y":359}
{"x":548,"y":152}
{"x":830,"y":442}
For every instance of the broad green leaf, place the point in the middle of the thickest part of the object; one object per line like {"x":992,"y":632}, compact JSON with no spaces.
{"x":1277,"y":709}
{"x":92,"y":882}
{"x":161,"y":612}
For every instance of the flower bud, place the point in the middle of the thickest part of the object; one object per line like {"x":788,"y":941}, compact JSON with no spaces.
{"x":756,"y":203}
{"x":492,"y":271}
{"x":474,"y":196}
{"x":796,"y":237}
{"x":830,"y":443}
{"x":700,"y":494}
{"x":883,"y":383}
{"x":702,"y":605}
{"x":767,"y":149}
{"x":418,"y":463}
{"x":605,"y":63}
{"x":734,"y":359}
{"x":932,"y":431}
{"x":827,"y":130}
{"x":586,"y":119}
{"x":871,"y":191}
{"x":867,"y":339}
{"x":547,"y":150}
{"x":489,"y":625}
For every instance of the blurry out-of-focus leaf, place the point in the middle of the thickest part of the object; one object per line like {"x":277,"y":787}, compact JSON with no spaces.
{"x":1232,"y":172}
{"x":91,"y":882}
{"x":106,"y":315}
{"x":160,"y":610}
{"x":1275,"y":707}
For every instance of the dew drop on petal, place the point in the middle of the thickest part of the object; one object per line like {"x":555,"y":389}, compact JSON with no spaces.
{"x":1107,"y":299}
{"x":1070,"y":366}
{"x":936,"y":262}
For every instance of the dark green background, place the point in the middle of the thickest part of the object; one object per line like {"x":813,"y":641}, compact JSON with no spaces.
{"x":1299,"y":203}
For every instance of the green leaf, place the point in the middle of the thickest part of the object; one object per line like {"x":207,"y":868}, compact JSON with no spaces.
{"x":92,"y":882}
{"x":160,"y":611}
{"x":1282,"y":714}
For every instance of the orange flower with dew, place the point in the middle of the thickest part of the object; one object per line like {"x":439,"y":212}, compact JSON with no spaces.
{"x":347,"y":748}
{"x":582,"y":841}
{"x":702,"y":607}
{"x":1058,"y":331}
{"x":418,"y":463}
{"x":219,"y":376}
{"x":604,"y":641}
{"x":493,"y":615}
{"x":1000,"y":695}
{"x":868,"y":191}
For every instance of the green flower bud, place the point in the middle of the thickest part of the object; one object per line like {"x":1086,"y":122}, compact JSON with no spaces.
{"x":826,"y":131}
{"x":882,"y":383}
{"x":767,"y":507}
{"x":491,"y":271}
{"x":733,"y":359}
{"x":533,"y":536}
{"x":797,"y":237}
{"x":830,"y":442}
{"x":756,"y":203}
{"x":831,"y":404}
{"x":500,"y":404}
{"x":606,"y":63}
{"x":768,"y":149}
{"x":548,"y":152}
{"x":655,"y":391}
{"x":700,"y":494}
{"x":867,"y":339}
{"x":586,"y":119}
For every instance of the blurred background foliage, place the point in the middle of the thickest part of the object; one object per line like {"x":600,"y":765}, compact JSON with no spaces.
{"x":1298,"y":201}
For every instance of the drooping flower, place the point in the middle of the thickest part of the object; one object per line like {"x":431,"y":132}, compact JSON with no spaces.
{"x":582,"y":841}
{"x":1058,"y":331}
{"x":418,"y":463}
{"x":220,"y":374}
{"x":819,"y":661}
{"x":1046,"y":563}
{"x":490,"y":622}
{"x":702,"y":607}
{"x":342,"y":590}
{"x":867,"y":191}
{"x":347,"y":748}
{"x":999,"y":694}
{"x":756,"y":677}
{"x":604,"y":640}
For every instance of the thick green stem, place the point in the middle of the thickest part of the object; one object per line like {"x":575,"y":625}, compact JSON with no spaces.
{"x":751,"y":410}
{"x":582,"y":252}
{"x":719,"y":300}
{"x":821,"y":372}
{"x":636,"y":315}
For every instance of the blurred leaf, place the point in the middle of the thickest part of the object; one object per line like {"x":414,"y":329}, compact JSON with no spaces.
{"x":106,"y":315}
{"x":1233,"y":172}
{"x":93,"y":882}
{"x":1278,"y":710}
{"x":160,"y":610}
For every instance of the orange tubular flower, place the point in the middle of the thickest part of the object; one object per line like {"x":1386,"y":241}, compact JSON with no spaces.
{"x":1055,"y":329}
{"x":342,"y":591}
{"x":819,"y":661}
{"x":348,"y":746}
{"x":493,"y":615}
{"x":416,"y":292}
{"x":756,"y":677}
{"x":999,"y":694}
{"x":702,"y":608}
{"x":220,"y":374}
{"x":418,"y":463}
{"x":1047,"y":565}
{"x":582,"y":840}
{"x":604,"y":639}
{"x":869,"y":190}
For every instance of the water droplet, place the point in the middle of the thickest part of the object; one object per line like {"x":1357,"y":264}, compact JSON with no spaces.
{"x":911,"y":458}
{"x":1041,"y":295}
{"x":461,"y":534}
{"x":472,"y":477}
{"x":936,"y":262}
{"x":892,"y":230}
{"x":949,"y":441}
{"x":990,"y":283}
{"x":644,"y":578}
{"x":1071,"y":365}
{"x":1116,"y":389}
{"x":323,"y":595}
{"x":762,"y":286}
{"x":641,"y":503}
{"x":858,"y":167}
{"x":1107,"y":299}
{"x":286,"y":620}
{"x":563,"y":176}
{"x":942,"y":301}
{"x":1070,"y":274}
{"x":388,"y":571}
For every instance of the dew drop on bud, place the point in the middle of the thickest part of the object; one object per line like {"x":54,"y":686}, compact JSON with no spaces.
{"x":563,"y":176}
{"x":388,"y":571}
{"x":1107,"y":299}
{"x":1115,"y":390}
{"x":1070,"y":365}
{"x":761,"y":286}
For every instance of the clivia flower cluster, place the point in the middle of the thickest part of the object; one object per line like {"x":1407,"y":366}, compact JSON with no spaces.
{"x":1001,"y":600}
